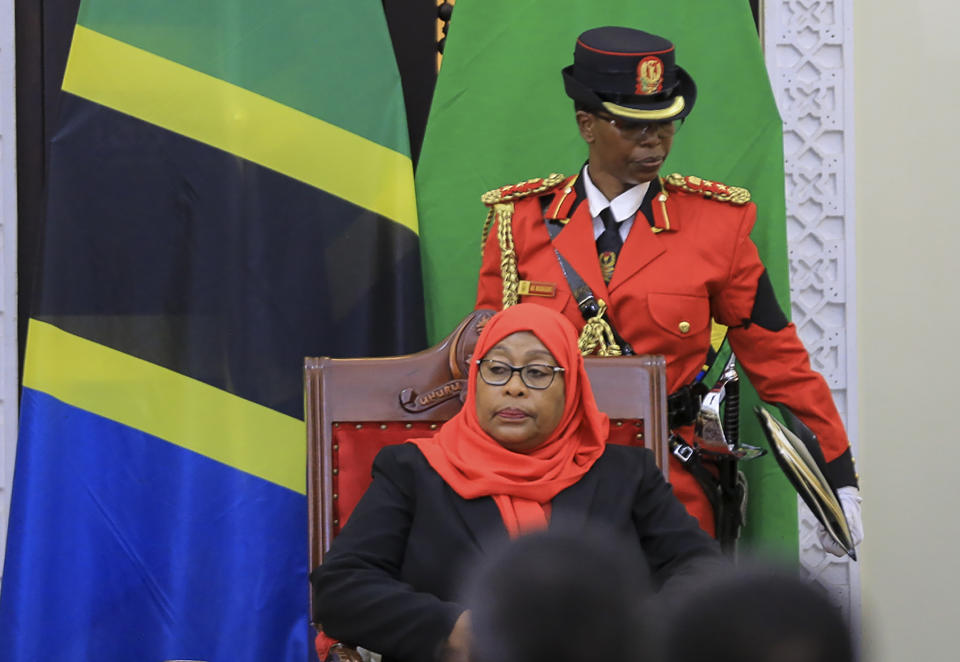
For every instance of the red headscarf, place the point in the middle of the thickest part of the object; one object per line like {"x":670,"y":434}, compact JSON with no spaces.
{"x":522,"y":483}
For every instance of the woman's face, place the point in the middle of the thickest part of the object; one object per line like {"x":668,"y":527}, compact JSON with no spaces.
{"x":623,"y":158}
{"x":517,"y":416}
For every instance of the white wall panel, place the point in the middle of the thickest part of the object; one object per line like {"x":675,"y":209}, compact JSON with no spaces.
{"x":908,"y":316}
{"x":8,"y":266}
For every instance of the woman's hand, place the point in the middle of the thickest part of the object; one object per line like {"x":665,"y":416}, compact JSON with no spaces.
{"x":457,"y":648}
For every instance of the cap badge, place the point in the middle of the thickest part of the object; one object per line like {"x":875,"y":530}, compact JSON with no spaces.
{"x":649,"y":75}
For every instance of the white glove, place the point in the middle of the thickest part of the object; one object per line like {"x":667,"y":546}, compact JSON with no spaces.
{"x":850,"y":502}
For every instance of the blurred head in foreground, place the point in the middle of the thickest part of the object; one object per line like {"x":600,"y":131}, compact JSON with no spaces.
{"x":757,"y":615}
{"x":552,"y":597}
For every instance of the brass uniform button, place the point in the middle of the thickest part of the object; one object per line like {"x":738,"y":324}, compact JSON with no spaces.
{"x":684,"y":327}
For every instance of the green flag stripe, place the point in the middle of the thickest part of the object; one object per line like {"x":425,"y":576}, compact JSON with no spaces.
{"x":231,"y":118}
{"x":271,"y":47}
{"x":166,"y":404}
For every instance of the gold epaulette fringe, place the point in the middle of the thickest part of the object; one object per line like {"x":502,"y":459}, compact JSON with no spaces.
{"x":500,"y":200}
{"x":513,"y":192}
{"x":522,"y":190}
{"x":712,"y":190}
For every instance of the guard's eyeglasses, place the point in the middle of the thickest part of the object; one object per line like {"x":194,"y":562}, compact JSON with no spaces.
{"x":636,"y":130}
{"x":535,"y":375}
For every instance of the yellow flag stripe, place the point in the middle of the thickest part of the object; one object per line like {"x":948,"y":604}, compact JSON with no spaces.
{"x":166,"y":404}
{"x":180,"y":99}
{"x":718,"y":332}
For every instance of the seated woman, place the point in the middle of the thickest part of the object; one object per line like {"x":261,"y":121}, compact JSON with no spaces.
{"x":527,"y":452}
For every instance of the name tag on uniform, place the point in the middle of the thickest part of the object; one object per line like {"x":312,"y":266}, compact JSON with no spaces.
{"x":537,"y":289}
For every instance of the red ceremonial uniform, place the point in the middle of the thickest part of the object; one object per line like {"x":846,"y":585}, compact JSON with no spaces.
{"x":692,"y":261}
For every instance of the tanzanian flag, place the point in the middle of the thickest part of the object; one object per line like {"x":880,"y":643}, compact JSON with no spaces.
{"x":500,"y":116}
{"x":230,"y":190}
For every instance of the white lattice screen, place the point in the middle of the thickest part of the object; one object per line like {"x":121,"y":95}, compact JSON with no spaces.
{"x":808,"y":48}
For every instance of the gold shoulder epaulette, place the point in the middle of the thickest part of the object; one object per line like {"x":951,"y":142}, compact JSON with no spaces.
{"x":522,"y":190}
{"x":713,"y":190}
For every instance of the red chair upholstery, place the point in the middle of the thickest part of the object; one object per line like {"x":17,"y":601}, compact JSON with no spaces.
{"x":355,"y":407}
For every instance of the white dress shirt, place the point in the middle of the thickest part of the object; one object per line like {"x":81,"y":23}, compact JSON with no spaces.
{"x":624,"y":206}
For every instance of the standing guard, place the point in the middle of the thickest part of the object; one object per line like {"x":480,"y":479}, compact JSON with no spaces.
{"x":647,"y":264}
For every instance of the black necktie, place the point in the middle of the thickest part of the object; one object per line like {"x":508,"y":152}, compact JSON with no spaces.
{"x":608,"y":243}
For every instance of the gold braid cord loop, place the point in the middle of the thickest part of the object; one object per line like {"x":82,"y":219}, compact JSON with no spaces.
{"x":500,"y":200}
{"x":597,"y":335}
{"x":508,"y":256}
{"x":486,"y":230}
{"x":735,"y":195}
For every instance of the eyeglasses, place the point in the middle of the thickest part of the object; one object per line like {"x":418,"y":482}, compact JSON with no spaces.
{"x":535,"y":375}
{"x":636,"y":130}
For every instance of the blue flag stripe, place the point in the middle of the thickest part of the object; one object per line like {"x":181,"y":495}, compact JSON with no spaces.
{"x":157,"y":552}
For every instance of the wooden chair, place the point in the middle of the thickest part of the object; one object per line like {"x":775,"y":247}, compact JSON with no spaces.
{"x":355,"y":407}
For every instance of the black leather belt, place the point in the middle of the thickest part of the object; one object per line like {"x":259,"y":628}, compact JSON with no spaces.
{"x":683,"y":405}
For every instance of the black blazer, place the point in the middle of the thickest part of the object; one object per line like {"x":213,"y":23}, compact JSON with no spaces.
{"x":390,"y":581}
